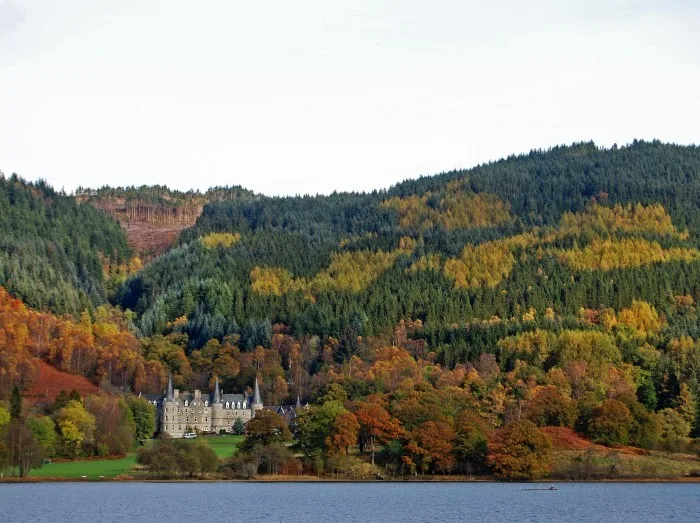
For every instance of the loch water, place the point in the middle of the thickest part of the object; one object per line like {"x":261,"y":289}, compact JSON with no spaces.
{"x":361,"y":502}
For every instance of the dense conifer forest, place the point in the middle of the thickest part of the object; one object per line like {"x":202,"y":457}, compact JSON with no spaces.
{"x":498,"y":240}
{"x":53,"y":251}
{"x":437,"y":319}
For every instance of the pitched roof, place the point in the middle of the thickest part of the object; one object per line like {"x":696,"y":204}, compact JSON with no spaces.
{"x":234,"y":398}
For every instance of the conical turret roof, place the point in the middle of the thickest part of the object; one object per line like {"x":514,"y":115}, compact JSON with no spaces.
{"x":169,"y":394}
{"x":217,"y":393}
{"x":257,"y":400}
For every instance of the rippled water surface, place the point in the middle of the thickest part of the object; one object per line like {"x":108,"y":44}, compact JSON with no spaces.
{"x":405,"y":502}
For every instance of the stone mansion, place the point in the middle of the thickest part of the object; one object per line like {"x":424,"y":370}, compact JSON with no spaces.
{"x":182,"y":412}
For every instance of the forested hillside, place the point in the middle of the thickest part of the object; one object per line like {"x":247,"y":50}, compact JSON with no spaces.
{"x":438,"y":319}
{"x":568,"y":228}
{"x":55,"y":253}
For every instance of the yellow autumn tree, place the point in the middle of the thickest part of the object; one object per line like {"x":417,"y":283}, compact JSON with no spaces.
{"x":220,"y":239}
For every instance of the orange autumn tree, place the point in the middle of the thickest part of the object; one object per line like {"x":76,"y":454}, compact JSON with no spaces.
{"x":376,"y":424}
{"x":550,"y":408}
{"x":100,"y":349}
{"x":520,"y":451}
{"x":393,"y":366}
{"x":432,"y":447}
{"x":344,"y":433}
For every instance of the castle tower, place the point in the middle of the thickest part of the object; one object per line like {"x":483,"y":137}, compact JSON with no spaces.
{"x":169,"y":391}
{"x":169,"y":422}
{"x":217,"y":394}
{"x":257,"y":399}
{"x":217,"y":409}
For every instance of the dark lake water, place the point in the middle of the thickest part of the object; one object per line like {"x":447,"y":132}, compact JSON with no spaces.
{"x":365,"y":502}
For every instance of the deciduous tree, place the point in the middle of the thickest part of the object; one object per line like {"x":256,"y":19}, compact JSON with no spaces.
{"x":610,"y":423}
{"x":520,"y":451}
{"x":144,"y":415}
{"x":549,"y":408}
{"x":265,"y":428}
{"x":376,"y":425}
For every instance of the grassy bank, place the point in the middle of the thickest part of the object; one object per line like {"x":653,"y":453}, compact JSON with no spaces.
{"x":91,"y":469}
{"x":613,"y":464}
{"x":223,"y":446}
{"x":574,"y":459}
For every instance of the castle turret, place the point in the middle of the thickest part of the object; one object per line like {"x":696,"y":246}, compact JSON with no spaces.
{"x":257,"y":399}
{"x":298,"y":405}
{"x":217,"y":394}
{"x":169,"y":391}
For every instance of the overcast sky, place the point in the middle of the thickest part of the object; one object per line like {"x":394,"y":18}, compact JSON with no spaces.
{"x":290,"y":97}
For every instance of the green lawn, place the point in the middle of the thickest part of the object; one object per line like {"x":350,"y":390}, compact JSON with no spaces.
{"x":224,"y":446}
{"x":93,"y":469}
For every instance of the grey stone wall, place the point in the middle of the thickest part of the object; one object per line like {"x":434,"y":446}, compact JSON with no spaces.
{"x":175,"y":417}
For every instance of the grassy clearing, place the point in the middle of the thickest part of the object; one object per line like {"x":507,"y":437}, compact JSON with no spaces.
{"x":224,"y":447}
{"x":93,"y":469}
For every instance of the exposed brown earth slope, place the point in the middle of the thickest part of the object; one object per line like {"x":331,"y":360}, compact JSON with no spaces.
{"x":152,"y":228}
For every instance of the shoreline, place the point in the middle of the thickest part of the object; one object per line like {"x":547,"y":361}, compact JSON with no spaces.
{"x":315,"y":479}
